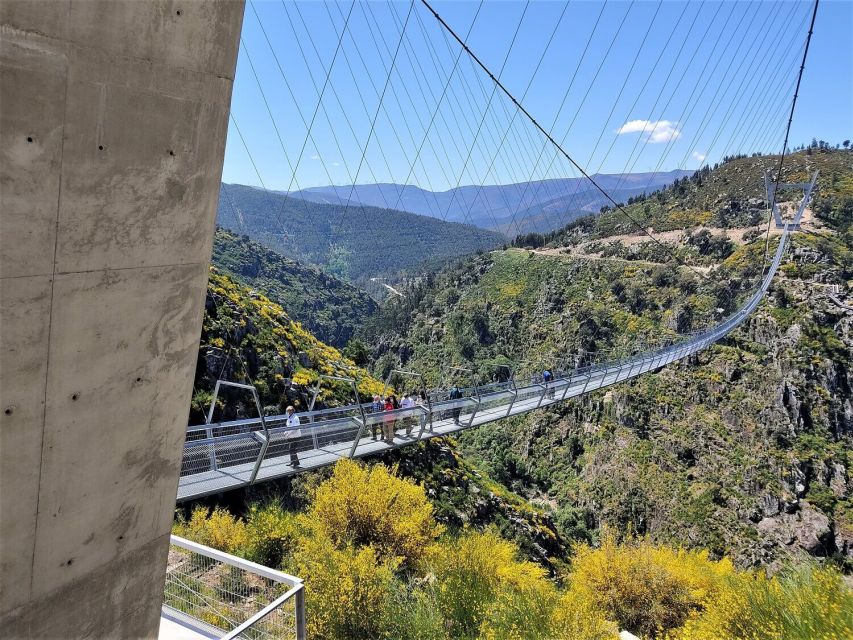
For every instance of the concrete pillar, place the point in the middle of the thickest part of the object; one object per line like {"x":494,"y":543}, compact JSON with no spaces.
{"x":113,"y":117}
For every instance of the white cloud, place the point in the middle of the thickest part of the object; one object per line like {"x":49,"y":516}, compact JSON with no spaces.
{"x":656,"y":131}
{"x":315,"y":157}
{"x":699,"y":157}
{"x":336,"y":164}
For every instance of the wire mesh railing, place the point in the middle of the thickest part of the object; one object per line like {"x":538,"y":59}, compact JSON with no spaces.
{"x":223,"y":596}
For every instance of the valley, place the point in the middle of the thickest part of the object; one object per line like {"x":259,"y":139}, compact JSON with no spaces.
{"x":741,"y":453}
{"x":355,"y":243}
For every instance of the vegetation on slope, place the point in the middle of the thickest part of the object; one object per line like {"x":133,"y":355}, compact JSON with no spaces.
{"x":744,"y":450}
{"x":377,"y":564}
{"x":326,"y":306}
{"x":351,"y":242}
{"x":529,"y":311}
{"x":248,"y":338}
{"x":731,"y":194}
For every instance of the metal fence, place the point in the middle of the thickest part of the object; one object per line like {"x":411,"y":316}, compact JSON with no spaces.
{"x":223,"y":596}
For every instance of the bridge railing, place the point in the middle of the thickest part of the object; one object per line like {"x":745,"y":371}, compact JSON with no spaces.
{"x":219,"y":595}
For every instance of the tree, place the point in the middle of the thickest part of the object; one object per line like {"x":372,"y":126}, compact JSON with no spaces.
{"x":357,"y":351}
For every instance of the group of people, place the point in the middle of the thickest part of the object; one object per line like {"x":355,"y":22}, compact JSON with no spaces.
{"x":389,"y":422}
{"x":388,"y":426}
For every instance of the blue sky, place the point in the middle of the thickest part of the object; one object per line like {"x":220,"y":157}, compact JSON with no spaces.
{"x":662,"y":85}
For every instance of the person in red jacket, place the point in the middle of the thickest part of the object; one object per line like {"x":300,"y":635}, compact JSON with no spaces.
{"x":389,"y":422}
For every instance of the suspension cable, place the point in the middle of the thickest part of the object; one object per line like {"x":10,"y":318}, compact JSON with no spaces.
{"x":583,"y":171}
{"x":772,"y":202}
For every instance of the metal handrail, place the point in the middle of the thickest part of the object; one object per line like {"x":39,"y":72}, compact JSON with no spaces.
{"x":296,"y":591}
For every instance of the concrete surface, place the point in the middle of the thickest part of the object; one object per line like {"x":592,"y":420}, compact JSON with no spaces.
{"x":113,"y":117}
{"x":172,"y":630}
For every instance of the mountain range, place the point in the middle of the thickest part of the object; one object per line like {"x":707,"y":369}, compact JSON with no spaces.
{"x":542,"y":205}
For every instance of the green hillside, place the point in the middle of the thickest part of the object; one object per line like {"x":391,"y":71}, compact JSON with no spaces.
{"x":356,"y":243}
{"x":745,"y":449}
{"x":246,"y":337}
{"x":729,"y":195}
{"x":329,"y":308}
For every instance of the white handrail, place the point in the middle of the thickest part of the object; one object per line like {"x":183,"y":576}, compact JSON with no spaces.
{"x":177,"y":580}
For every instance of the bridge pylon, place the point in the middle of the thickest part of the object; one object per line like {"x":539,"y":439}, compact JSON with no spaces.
{"x":772,"y":188}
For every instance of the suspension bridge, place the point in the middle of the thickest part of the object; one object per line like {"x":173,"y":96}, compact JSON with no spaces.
{"x":224,"y":456}
{"x":114,"y":136}
{"x":228,"y":455}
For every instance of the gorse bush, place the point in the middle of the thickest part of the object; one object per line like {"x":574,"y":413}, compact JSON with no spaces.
{"x":644,"y":587}
{"x":803,"y":605}
{"x":578,"y":617}
{"x":478,"y":579}
{"x":365,"y":506}
{"x":272,"y":534}
{"x":352,"y":592}
{"x":216,"y":528}
{"x":378,"y":567}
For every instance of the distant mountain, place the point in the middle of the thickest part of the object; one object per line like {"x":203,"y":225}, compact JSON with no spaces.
{"x":356,"y":242}
{"x":329,"y":308}
{"x":543,"y":205}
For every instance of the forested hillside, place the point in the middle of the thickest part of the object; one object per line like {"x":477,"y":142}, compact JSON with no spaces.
{"x":248,"y":338}
{"x":745,"y":449}
{"x":328,"y":307}
{"x":356,"y":243}
{"x":731,"y":195}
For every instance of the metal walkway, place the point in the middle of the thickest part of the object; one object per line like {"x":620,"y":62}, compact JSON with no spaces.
{"x":223,"y":456}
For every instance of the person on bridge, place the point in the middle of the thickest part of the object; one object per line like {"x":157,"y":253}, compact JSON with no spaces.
{"x":293,"y":435}
{"x":456,"y":394}
{"x":548,"y":378}
{"x":389,"y":422}
{"x":376,"y":407}
{"x":408,"y":403}
{"x":421,"y":401}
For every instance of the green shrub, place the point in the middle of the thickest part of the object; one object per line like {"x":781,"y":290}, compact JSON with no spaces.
{"x":272,"y":534}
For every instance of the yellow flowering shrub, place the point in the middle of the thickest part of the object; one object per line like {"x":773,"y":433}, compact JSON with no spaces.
{"x":521,"y":609}
{"x":368,"y":548}
{"x":303,"y":377}
{"x":363,"y":506}
{"x":806,"y":605}
{"x":350,"y":591}
{"x":576,"y":618}
{"x":216,"y":528}
{"x":646,"y":588}
{"x":480,"y":583}
{"x":272,"y":534}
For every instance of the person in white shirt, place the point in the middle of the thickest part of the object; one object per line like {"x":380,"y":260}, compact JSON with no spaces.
{"x":293,"y":435}
{"x":408,"y":403}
